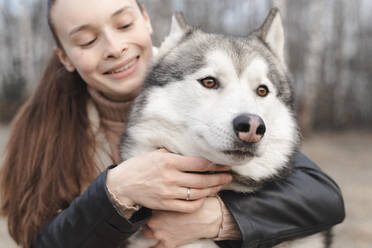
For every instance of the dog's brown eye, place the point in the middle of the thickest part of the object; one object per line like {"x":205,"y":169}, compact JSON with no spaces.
{"x":262,"y":90}
{"x":209,"y":82}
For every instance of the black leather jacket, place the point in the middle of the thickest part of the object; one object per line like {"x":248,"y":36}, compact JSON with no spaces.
{"x":306,"y":202}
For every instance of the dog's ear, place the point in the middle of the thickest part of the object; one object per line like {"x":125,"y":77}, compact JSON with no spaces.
{"x":179,"y":27}
{"x":179,"y":24}
{"x":272,"y":33}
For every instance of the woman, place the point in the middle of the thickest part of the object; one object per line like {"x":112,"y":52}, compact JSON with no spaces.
{"x":67,"y":134}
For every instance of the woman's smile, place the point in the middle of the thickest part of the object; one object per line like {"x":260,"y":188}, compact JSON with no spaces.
{"x":123,"y":70}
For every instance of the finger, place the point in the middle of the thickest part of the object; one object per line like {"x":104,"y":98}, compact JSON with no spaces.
{"x":196,"y":164}
{"x":183,"y":206}
{"x":196,"y":194}
{"x":147,"y":232}
{"x":200,"y":181}
{"x":188,"y":163}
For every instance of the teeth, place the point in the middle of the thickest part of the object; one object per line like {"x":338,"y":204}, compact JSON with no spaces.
{"x":123,"y":68}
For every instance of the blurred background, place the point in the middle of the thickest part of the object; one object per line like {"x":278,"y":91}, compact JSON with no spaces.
{"x":329,"y":53}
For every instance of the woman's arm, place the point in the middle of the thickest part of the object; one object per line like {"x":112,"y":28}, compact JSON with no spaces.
{"x":306,"y":202}
{"x":90,"y":221}
{"x":157,"y":180}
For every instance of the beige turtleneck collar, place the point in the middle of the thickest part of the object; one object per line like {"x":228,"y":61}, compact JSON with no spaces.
{"x":113,"y":118}
{"x":108,"y":109}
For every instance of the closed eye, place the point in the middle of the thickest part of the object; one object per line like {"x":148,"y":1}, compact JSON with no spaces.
{"x":88,"y":43}
{"x":126,"y":26}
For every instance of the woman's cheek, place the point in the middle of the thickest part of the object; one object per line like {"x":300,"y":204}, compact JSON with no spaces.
{"x":86,"y":63}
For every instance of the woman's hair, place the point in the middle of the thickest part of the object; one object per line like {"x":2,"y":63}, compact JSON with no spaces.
{"x":50,"y":154}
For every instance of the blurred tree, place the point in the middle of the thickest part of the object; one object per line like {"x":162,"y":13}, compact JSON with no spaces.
{"x":26,"y":43}
{"x":13,"y":93}
{"x":313,"y":63}
{"x":345,"y":57}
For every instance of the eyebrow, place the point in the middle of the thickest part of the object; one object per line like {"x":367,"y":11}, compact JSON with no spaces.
{"x":87,"y":26}
{"x":118,"y":12}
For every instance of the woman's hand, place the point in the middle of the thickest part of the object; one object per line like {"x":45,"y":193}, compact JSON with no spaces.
{"x":159,"y":180}
{"x":174,"y":229}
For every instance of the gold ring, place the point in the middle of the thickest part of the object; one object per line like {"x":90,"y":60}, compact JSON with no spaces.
{"x":188,"y":194}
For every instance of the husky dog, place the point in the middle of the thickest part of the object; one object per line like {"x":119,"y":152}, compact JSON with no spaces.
{"x":222,"y":98}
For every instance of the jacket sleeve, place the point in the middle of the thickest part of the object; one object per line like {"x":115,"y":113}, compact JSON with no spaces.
{"x":304,"y":203}
{"x":91,"y":221}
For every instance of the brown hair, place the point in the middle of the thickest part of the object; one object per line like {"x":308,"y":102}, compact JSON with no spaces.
{"x":50,"y":154}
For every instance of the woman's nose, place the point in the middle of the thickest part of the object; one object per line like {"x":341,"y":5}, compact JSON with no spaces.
{"x":114,"y":48}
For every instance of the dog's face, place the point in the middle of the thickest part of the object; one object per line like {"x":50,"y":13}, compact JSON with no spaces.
{"x":222,"y":98}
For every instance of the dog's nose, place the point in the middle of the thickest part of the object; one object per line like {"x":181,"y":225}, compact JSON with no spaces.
{"x":249,"y":128}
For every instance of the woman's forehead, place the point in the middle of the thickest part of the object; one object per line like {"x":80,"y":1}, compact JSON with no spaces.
{"x":68,"y":14}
